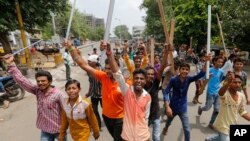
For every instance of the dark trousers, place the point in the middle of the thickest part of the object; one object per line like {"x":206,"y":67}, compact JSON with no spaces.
{"x":67,"y":71}
{"x":95,"y":102}
{"x":114,"y":127}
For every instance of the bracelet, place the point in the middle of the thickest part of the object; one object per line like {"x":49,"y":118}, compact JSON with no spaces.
{"x":71,"y":49}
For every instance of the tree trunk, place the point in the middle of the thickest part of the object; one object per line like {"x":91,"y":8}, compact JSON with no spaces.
{"x":5,"y":42}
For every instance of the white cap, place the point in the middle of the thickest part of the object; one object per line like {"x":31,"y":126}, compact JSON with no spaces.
{"x":93,"y":58}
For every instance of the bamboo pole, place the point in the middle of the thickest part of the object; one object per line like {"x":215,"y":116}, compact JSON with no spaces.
{"x":109,"y":19}
{"x":163,"y":20}
{"x":221,"y":34}
{"x":152,"y":51}
{"x":164,"y":24}
{"x":70,"y":19}
{"x":208,"y":38}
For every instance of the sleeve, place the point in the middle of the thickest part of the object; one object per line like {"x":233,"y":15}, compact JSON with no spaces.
{"x":63,"y":127}
{"x":128,"y":64}
{"x":99,"y":75}
{"x":121,"y":81}
{"x":92,"y":120}
{"x":21,"y":80}
{"x":167,"y":90}
{"x":148,"y":110}
{"x":144,"y":62}
{"x":197,"y":76}
{"x":242,"y":110}
{"x":244,"y":78}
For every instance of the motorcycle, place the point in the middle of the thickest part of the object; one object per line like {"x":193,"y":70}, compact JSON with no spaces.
{"x":13,"y":92}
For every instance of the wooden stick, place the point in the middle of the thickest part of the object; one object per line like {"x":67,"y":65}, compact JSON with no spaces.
{"x":163,"y":20}
{"x":171,"y":41}
{"x":152,"y":51}
{"x":171,"y":35}
{"x":164,"y":24}
{"x":109,"y":19}
{"x":208,"y":38}
{"x":221,"y":34}
{"x":191,"y":42}
{"x":70,"y":19}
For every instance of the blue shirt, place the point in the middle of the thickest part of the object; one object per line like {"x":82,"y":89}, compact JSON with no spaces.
{"x":178,"y":100}
{"x":214,"y":82}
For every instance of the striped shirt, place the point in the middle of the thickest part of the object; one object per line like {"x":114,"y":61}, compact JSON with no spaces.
{"x":48,"y":107}
{"x":94,"y":87}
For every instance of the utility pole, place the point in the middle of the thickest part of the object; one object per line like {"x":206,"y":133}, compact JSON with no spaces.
{"x":23,"y":36}
{"x":53,"y":22}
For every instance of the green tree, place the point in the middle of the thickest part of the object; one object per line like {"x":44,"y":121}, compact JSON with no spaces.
{"x":235,"y":21}
{"x":34,"y":13}
{"x":121,"y":31}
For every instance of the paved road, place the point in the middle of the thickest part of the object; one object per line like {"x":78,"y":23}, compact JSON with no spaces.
{"x":20,"y":118}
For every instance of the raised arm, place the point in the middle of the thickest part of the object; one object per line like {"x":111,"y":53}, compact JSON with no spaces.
{"x":18,"y":76}
{"x":166,"y":51}
{"x":78,"y":58}
{"x":113,"y":64}
{"x":116,"y":71}
{"x":126,"y":58}
{"x":145,"y":57}
{"x":226,"y":84}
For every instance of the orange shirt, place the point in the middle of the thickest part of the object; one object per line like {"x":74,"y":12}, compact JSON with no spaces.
{"x":112,"y":99}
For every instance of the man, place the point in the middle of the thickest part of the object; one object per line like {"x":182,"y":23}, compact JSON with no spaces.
{"x":48,"y":99}
{"x":177,"y":104}
{"x":95,"y":88}
{"x":136,"y":103}
{"x":232,"y":105}
{"x":212,"y":98}
{"x":112,"y":98}
{"x":138,"y":61}
{"x":152,"y":87}
{"x":66,"y":58}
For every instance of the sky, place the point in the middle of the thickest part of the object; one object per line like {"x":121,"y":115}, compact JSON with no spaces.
{"x":126,"y":12}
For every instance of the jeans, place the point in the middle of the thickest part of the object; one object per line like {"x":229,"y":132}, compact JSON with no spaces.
{"x":45,"y":136}
{"x":114,"y":127}
{"x":95,"y":102}
{"x":67,"y":71}
{"x":185,"y":124}
{"x":156,"y":129}
{"x":4,"y":78}
{"x":212,"y":100}
{"x":218,"y":137}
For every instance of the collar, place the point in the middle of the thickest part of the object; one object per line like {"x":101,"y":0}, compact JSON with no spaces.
{"x":144,"y":92}
{"x":77,"y":101}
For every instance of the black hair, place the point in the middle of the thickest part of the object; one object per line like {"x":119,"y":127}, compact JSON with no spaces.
{"x":217,"y":58}
{"x":44,"y":73}
{"x":107,"y":62}
{"x":237,"y":76}
{"x":139,"y":71}
{"x":149,"y":68}
{"x":238,"y":60}
{"x":182,"y":65}
{"x":73,"y":81}
{"x":232,"y":56}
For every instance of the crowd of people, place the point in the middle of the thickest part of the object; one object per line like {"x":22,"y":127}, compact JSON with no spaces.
{"x":127,"y":84}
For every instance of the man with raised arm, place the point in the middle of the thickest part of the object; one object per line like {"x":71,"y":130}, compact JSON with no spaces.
{"x":136,"y":103}
{"x":112,"y":99}
{"x":48,"y":99}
